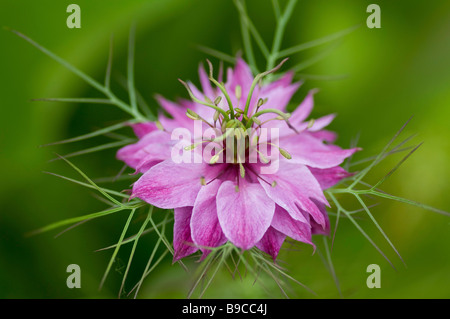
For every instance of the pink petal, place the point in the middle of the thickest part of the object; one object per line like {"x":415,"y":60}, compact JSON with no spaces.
{"x":205,"y":227}
{"x":271,"y":242}
{"x":324,"y":136}
{"x":322,"y":122}
{"x":155,"y":145}
{"x":277,"y":98}
{"x":182,"y":242}
{"x":307,"y":150}
{"x":178,"y":113}
{"x":204,"y":111}
{"x":170,"y":107}
{"x":318,"y":124}
{"x":295,"y":186}
{"x":319,"y":229}
{"x":171,"y":185}
{"x":169,"y":124}
{"x":297,"y":117}
{"x":244,"y":215}
{"x":278,"y":94}
{"x":142,"y":129}
{"x":242,"y":75}
{"x":303,"y":110}
{"x":283,"y":81}
{"x":330,"y":176}
{"x":295,"y":229}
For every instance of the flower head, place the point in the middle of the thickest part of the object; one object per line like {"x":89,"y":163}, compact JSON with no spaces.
{"x":257,"y":174}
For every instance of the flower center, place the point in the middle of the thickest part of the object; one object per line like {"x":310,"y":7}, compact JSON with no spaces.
{"x":238,"y":130}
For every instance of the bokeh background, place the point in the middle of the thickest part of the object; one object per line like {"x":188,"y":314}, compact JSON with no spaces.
{"x":375,"y":79}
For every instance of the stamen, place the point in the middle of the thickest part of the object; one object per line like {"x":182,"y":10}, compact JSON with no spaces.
{"x":260,"y":102}
{"x":282,"y":151}
{"x":221,"y":87}
{"x":263,"y":158}
{"x":258,"y":176}
{"x":216,"y":117}
{"x":217,"y":100}
{"x":310,"y":123}
{"x":256,"y":80}
{"x":255,"y":140}
{"x":202,"y":181}
{"x":281,"y":115}
{"x":213,"y":140}
{"x":207,"y":99}
{"x":159,"y":125}
{"x":242,"y":170}
{"x":266,"y":121}
{"x":192,"y":115}
{"x":219,"y":175}
{"x":215,"y":158}
{"x":257,"y":121}
{"x":203,"y":102}
{"x":223,"y":126}
{"x":191,"y":147}
{"x":238,"y":110}
{"x":285,"y":153}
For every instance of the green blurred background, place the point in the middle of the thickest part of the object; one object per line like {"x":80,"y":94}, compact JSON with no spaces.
{"x":392,"y":73}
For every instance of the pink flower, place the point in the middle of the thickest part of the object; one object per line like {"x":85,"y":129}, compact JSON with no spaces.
{"x":238,"y":202}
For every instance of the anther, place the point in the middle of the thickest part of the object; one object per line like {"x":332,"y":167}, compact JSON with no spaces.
{"x":260,"y":102}
{"x":263,"y":158}
{"x":242,"y":170}
{"x":224,"y":126}
{"x":217,"y":100}
{"x":257,"y":121}
{"x":214,"y":159}
{"x":285,"y":153}
{"x":159,"y":125}
{"x":192,"y":115}
{"x":207,"y":99}
{"x":216,"y":117}
{"x":191,"y":147}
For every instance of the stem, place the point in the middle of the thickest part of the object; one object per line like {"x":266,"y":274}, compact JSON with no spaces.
{"x":246,"y":34}
{"x":276,"y":9}
{"x":95,"y":84}
{"x":221,"y":87}
{"x":278,"y":112}
{"x":255,"y":82}
{"x":225,"y":115}
{"x":279,"y":32}
{"x":130,"y":69}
